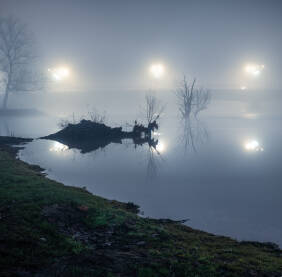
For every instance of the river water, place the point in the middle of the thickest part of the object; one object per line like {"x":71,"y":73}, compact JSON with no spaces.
{"x":222,"y":171}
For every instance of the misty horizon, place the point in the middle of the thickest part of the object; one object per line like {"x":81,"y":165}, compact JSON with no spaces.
{"x":208,"y":40}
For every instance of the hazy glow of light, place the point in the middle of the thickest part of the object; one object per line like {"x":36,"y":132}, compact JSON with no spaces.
{"x":243,"y":88}
{"x":251,"y":115}
{"x":161,"y":147}
{"x":58,"y":147}
{"x":59,"y":73}
{"x":254,"y":69}
{"x":253,"y":146}
{"x":157,"y":70}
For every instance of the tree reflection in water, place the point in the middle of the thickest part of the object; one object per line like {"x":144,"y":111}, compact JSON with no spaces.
{"x":154,"y":159}
{"x":192,"y":101}
{"x":193,"y":133}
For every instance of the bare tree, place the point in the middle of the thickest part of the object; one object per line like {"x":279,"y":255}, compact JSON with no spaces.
{"x":16,"y":58}
{"x":202,"y":99}
{"x":153,"y":108}
{"x":191,"y":99}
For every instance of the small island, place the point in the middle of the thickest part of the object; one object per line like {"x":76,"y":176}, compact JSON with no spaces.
{"x":88,"y":135}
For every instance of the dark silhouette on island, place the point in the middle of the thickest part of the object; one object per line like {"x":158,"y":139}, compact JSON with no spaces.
{"x":88,"y":136}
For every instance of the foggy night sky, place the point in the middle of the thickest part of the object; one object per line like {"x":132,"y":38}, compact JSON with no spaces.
{"x":111,"y":44}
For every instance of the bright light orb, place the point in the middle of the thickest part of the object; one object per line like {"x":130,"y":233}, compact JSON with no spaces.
{"x":254,"y":69}
{"x":157,"y":70}
{"x":59,"y":73}
{"x":253,"y":146}
{"x":243,"y":88}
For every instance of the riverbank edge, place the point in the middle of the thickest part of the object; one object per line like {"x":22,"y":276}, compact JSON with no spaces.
{"x":48,"y":229}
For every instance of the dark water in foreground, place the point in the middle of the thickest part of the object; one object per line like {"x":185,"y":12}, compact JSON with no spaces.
{"x":224,"y":173}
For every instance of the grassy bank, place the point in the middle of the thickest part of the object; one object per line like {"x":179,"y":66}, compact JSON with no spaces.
{"x":48,"y":229}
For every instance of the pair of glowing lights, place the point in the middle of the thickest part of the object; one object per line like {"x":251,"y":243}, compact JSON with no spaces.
{"x":157,"y":70}
{"x":58,"y":147}
{"x":62,"y":73}
{"x":250,"y":146}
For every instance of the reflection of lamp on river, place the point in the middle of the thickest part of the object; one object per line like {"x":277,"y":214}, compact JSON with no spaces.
{"x":253,"y":146}
{"x":161,"y":147}
{"x":58,"y":147}
{"x":254,"y":69}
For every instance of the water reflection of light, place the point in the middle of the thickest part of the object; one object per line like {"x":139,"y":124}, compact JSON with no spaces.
{"x":161,"y":147}
{"x":250,"y":115}
{"x":254,"y":69}
{"x":253,"y":146}
{"x":58,"y":147}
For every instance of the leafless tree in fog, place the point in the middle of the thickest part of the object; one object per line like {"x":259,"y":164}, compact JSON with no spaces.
{"x":16,"y":58}
{"x":153,"y":108}
{"x":202,"y":99}
{"x":191,"y":99}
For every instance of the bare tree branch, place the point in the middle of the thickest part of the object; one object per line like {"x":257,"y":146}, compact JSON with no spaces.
{"x":153,"y":108}
{"x":17,"y":58}
{"x":191,"y":99}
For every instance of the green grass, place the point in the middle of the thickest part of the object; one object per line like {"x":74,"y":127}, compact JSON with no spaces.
{"x":55,"y":230}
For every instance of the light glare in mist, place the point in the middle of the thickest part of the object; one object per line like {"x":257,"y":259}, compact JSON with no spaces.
{"x":253,"y":146}
{"x":157,"y":70}
{"x":254,"y":69}
{"x":59,"y":73}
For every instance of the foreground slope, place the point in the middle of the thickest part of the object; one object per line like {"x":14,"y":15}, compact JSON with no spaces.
{"x":48,"y":229}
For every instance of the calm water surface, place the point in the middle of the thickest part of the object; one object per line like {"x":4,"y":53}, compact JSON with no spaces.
{"x":222,"y":171}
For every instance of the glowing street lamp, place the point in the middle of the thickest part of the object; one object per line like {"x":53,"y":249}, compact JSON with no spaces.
{"x":59,"y":73}
{"x":157,"y":70}
{"x":254,"y":69}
